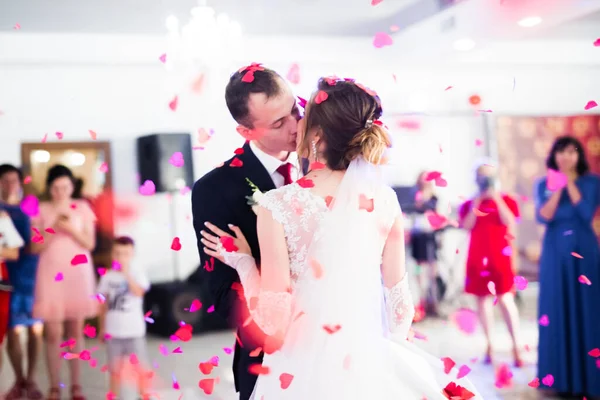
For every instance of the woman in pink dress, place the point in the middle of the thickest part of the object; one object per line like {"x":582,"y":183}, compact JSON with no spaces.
{"x":65,"y":283}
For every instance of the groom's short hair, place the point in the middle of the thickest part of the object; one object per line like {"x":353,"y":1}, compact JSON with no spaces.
{"x":237,"y":92}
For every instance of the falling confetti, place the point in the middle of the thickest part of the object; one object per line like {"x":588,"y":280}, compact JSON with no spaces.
{"x":555,"y":180}
{"x":463,"y":371}
{"x":465,"y":319}
{"x":103,"y":168}
{"x":236,"y":163}
{"x":93,"y":134}
{"x":365,"y":203}
{"x":89,"y":331}
{"x":520,"y":282}
{"x":59,"y":277}
{"x":597,"y":43}
{"x":258,"y":369}
{"x":176,"y":159}
{"x":176,"y":244}
{"x":548,"y":380}
{"x":173,"y":103}
{"x":59,"y":135}
{"x":285,"y":380}
{"x":163,"y":58}
{"x":207,"y":385}
{"x":79,"y":259}
{"x":382,"y":39}
{"x":535,"y":383}
{"x":584,"y":279}
{"x":30,"y":206}
{"x":448,"y":364}
{"x":293,"y":74}
{"x":544,"y":320}
{"x":148,"y":188}
{"x":591,"y":104}
{"x":375,"y":2}
{"x":576,"y":255}
{"x":595,"y":353}
{"x":503,"y":377}
{"x":196,"y":305}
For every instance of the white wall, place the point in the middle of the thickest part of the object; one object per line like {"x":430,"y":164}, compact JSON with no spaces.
{"x":116,"y":86}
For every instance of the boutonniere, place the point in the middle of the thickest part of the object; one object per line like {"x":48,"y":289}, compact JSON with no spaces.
{"x":255,"y":197}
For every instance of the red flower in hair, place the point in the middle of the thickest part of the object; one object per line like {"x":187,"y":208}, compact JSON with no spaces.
{"x":250,"y":70}
{"x":453,"y":391}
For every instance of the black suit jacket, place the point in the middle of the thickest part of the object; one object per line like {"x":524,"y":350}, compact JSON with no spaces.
{"x":220,"y":198}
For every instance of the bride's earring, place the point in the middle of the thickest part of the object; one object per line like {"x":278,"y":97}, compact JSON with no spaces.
{"x":314,"y":150}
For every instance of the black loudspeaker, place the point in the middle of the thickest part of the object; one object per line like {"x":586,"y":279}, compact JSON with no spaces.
{"x":156,"y":161}
{"x":170,"y":304}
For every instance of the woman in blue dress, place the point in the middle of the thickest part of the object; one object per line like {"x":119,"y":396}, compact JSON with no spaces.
{"x":569,"y":306}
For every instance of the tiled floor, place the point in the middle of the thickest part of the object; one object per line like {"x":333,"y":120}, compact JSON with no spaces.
{"x":443,"y":339}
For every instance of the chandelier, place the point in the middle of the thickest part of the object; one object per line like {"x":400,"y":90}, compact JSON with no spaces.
{"x":208,"y":40}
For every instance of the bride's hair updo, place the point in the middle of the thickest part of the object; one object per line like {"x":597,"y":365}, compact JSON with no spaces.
{"x":348,"y":121}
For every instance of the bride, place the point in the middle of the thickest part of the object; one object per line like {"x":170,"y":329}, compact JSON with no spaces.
{"x":327,"y":242}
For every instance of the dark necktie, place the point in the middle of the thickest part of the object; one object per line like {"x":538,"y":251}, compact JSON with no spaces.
{"x":286,"y":171}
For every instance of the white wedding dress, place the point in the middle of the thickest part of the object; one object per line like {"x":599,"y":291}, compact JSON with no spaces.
{"x":346,"y":334}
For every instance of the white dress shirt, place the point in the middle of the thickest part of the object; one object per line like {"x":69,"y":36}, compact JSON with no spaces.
{"x":271,"y":164}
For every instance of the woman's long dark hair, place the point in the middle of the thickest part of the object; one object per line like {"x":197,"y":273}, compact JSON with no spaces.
{"x":560,"y":144}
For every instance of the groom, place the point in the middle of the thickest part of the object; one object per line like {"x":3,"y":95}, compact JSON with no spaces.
{"x":265,"y":108}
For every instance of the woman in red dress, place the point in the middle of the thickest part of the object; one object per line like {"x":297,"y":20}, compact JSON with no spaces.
{"x":491,"y":217}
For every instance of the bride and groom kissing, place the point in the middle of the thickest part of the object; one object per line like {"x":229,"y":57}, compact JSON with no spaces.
{"x":299,"y":275}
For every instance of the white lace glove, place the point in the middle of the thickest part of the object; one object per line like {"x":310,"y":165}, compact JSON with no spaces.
{"x":270,"y":310}
{"x":400,"y":310}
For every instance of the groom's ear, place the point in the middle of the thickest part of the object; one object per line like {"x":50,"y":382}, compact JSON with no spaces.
{"x":244,"y":131}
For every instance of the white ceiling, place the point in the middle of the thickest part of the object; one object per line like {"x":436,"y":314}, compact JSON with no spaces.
{"x":287,"y":17}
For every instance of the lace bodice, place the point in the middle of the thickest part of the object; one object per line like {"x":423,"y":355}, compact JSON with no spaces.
{"x":300,"y":212}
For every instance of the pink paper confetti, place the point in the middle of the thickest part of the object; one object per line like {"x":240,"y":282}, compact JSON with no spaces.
{"x":59,"y":135}
{"x":59,"y":277}
{"x":520,"y":282}
{"x":148,"y":188}
{"x":463,"y":371}
{"x":30,"y":206}
{"x":478,"y":142}
{"x":591,"y":104}
{"x":173,"y":103}
{"x":466,"y":320}
{"x":375,"y":2}
{"x":101,"y":271}
{"x":448,"y":88}
{"x":50,"y":231}
{"x":584,"y":279}
{"x":163,"y":58}
{"x":228,"y":350}
{"x":133,"y":359}
{"x":503,"y":377}
{"x":382,"y":39}
{"x":175,"y":383}
{"x":196,"y":305}
{"x":93,"y":134}
{"x":214,"y":360}
{"x":597,"y":43}
{"x":177,"y":350}
{"x":210,"y":309}
{"x":85,"y":355}
{"x":548,"y":380}
{"x":89,"y":331}
{"x":27,"y":179}
{"x":555,"y":180}
{"x":45,"y":138}
{"x":176,"y":160}
{"x":17,"y":27}
{"x":576,"y":255}
{"x":103,"y":168}
{"x":79,"y":259}
{"x":544,"y":320}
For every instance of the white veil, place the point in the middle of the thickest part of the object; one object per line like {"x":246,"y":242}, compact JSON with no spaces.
{"x":348,"y":247}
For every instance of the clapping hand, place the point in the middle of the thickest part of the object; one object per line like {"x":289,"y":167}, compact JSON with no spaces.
{"x":64,"y":224}
{"x":212,"y":241}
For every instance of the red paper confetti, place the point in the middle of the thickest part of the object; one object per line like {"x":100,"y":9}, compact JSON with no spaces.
{"x":577,"y":255}
{"x":456,"y":392}
{"x":176,"y":244}
{"x":594,"y":353}
{"x":584,"y":279}
{"x":258,"y":369}
{"x":365,"y":203}
{"x":305,"y":182}
{"x":535,"y":383}
{"x":207,"y":385}
{"x":285,"y":380}
{"x":206,"y":367}
{"x":93,"y":134}
{"x":503,"y":377}
{"x":228,"y":245}
{"x":448,"y":364}
{"x":239,"y":151}
{"x":184,"y":333}
{"x":236,"y":162}
{"x":331,"y":329}
{"x":196,"y":305}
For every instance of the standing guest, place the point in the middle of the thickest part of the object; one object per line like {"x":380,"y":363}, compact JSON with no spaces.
{"x":65,"y":262}
{"x":122,"y":322}
{"x":22,"y":278}
{"x":424,"y":246}
{"x":566,"y":201}
{"x":491,"y":219}
{"x":10,"y":242}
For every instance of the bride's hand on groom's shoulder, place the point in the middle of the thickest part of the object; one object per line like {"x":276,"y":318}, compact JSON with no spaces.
{"x":215,"y":245}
